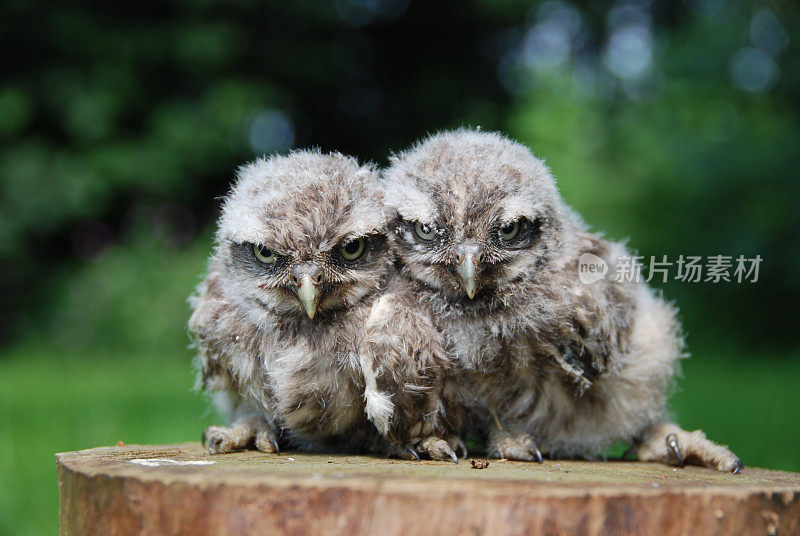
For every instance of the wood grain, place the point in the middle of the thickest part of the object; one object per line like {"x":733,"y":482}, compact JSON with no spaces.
{"x":108,"y":491}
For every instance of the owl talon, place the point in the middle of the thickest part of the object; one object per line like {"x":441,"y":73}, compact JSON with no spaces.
{"x":265,"y":441}
{"x":240,"y":435}
{"x":215,"y":444}
{"x":438,"y":449}
{"x":536,"y":453}
{"x":738,"y":466}
{"x":413,"y":452}
{"x":452,"y":454}
{"x":215,"y":440}
{"x":674,"y":452}
{"x":520,"y":447}
{"x":459,"y":446}
{"x":666,"y":443}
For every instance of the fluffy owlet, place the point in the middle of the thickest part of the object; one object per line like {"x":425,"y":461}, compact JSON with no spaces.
{"x":544,"y":362}
{"x":298,"y":318}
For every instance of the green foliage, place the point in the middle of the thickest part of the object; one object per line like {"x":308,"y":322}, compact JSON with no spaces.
{"x":692,"y":166}
{"x":112,"y":364}
{"x":134,"y":297}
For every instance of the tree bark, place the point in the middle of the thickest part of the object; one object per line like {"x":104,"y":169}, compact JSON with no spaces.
{"x":127,"y":490}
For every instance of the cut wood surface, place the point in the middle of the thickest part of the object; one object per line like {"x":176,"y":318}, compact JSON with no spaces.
{"x":179,"y":489}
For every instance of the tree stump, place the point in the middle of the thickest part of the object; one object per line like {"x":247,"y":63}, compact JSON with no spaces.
{"x":179,"y":489}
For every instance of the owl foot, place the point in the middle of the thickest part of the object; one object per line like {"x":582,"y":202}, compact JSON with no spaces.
{"x":667,"y":443}
{"x":458,"y":445}
{"x":438,"y":449}
{"x":401,"y":451}
{"x":240,"y":435}
{"x":222,"y":440}
{"x":433,"y":447}
{"x":267,"y":442}
{"x":521,"y":446}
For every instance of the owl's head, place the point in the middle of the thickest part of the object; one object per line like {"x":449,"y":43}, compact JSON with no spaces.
{"x":473,"y":213}
{"x":303,"y":235}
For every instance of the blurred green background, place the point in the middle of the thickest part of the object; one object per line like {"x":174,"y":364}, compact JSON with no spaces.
{"x":672,"y":125}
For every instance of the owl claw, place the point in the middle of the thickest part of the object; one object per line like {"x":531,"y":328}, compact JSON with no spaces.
{"x":452,"y":455}
{"x":667,"y":443}
{"x":534,"y":450}
{"x":674,"y":452}
{"x":459,"y":446}
{"x":438,"y":449}
{"x":738,"y":466}
{"x":413,"y":452}
{"x":215,"y":441}
{"x":521,"y":447}
{"x":240,"y":435}
{"x":265,"y":441}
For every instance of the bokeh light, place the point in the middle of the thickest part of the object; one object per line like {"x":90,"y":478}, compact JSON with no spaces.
{"x":753,"y":69}
{"x":270,"y":131}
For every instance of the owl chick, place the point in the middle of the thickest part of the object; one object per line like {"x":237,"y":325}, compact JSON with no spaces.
{"x":544,"y":362}
{"x":293,"y":309}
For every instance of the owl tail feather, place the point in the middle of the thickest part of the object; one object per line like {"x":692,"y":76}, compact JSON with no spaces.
{"x":378,"y":405}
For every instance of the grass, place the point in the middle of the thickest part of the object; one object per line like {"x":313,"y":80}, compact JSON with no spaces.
{"x":51,"y":403}
{"x":750,"y":402}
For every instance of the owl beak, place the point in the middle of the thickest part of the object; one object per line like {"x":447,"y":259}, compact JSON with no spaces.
{"x":468,"y":256}
{"x":466,"y":271}
{"x":306,"y":283}
{"x":308,"y":294}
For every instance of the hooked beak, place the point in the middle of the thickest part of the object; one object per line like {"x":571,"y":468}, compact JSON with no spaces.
{"x":466,"y":271}
{"x":308,"y":294}
{"x":306,"y":285}
{"x":468,"y":256}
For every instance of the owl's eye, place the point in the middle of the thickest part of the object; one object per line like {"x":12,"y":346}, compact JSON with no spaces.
{"x":352,"y":250}
{"x":425,"y":231}
{"x":509,"y":231}
{"x":264,"y":254}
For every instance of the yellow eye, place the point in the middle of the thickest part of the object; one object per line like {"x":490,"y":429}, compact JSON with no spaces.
{"x":508,"y":231}
{"x":264,"y":254}
{"x":425,"y":231}
{"x":352,"y":250}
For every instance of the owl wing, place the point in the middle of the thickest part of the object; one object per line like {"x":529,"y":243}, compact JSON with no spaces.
{"x":208,"y":310}
{"x":596,"y":318}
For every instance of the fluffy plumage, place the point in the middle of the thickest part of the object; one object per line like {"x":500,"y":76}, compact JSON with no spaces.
{"x":543,"y":361}
{"x":403,"y":351}
{"x":289,"y":318}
